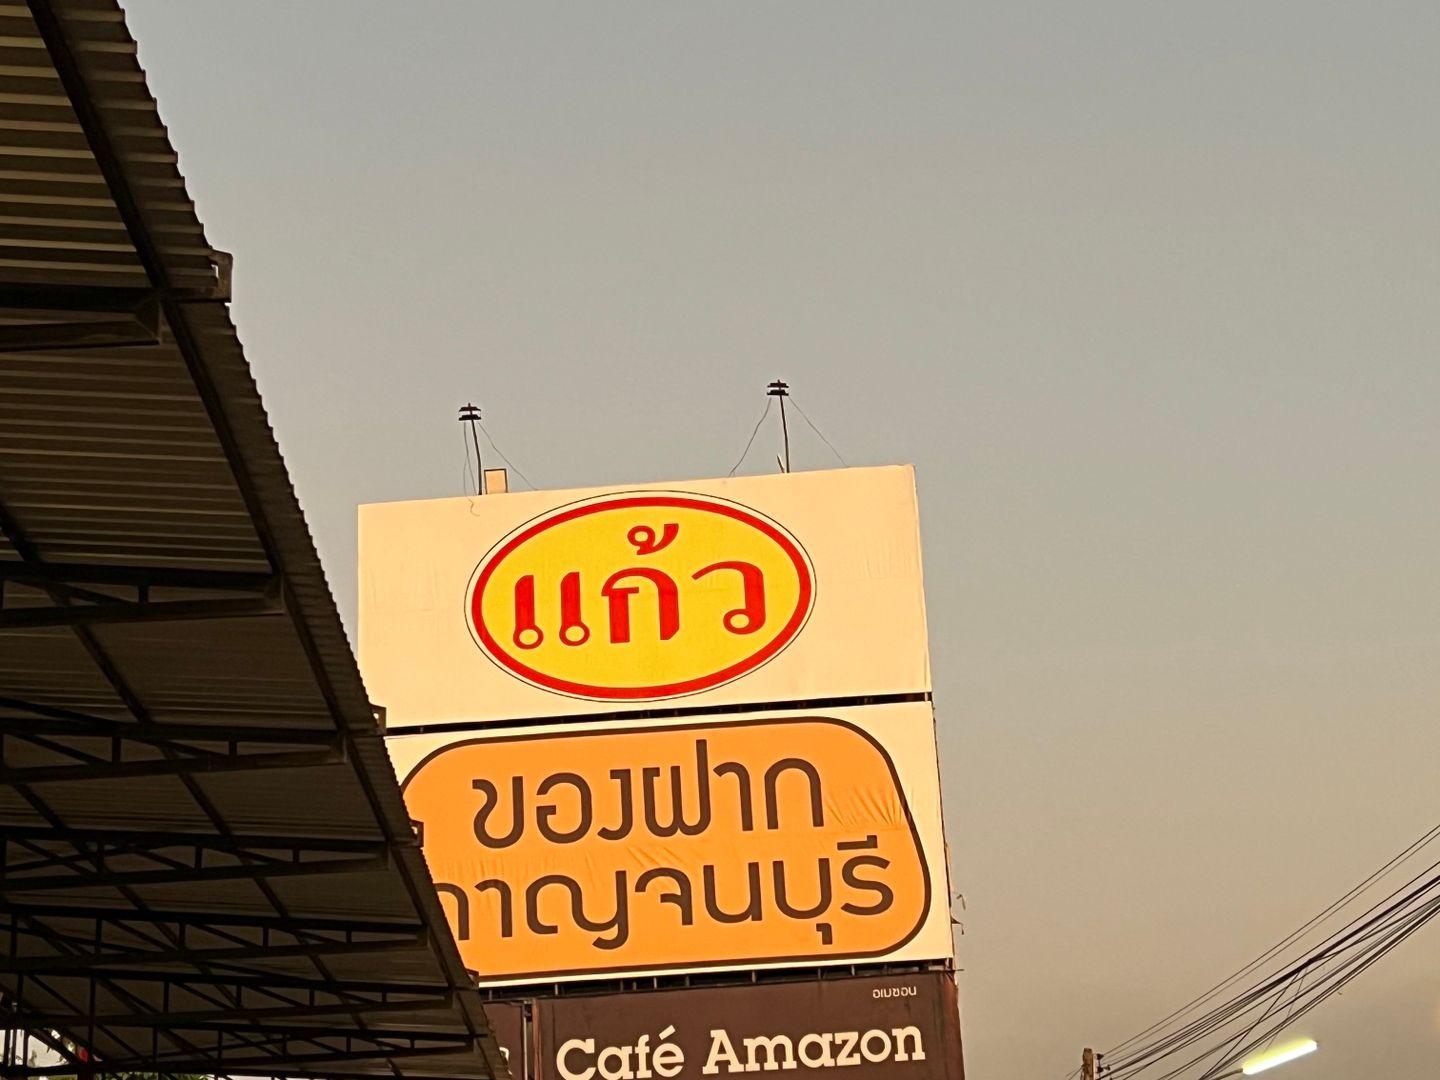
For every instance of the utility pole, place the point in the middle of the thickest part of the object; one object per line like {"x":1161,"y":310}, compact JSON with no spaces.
{"x":471,"y":413}
{"x":781,"y":389}
{"x":1087,"y":1064}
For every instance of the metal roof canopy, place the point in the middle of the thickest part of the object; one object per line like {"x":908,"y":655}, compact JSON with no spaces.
{"x":205,"y":864}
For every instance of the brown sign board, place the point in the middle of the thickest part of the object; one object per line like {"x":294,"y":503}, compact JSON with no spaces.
{"x":899,"y":1027}
{"x":511,"y":1027}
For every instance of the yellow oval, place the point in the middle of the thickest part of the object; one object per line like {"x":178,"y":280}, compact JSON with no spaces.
{"x":640,"y":595}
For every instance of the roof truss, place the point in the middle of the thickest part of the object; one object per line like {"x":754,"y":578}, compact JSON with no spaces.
{"x":270,"y":913}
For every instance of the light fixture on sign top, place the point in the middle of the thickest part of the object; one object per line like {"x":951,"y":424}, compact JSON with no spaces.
{"x":781,"y":389}
{"x":470,"y":413}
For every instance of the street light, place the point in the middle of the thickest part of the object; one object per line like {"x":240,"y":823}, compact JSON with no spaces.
{"x":1279,"y":1056}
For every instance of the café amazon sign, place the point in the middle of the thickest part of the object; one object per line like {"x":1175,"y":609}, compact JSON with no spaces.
{"x":721,"y":592}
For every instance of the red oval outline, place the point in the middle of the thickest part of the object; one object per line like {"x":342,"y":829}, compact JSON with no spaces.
{"x":789,"y":546}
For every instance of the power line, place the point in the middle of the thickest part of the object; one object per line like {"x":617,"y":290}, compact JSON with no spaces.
{"x":1335,"y":960}
{"x":1280,"y":946}
{"x":1413,"y":923}
{"x":817,"y":431}
{"x":1383,"y":941}
{"x":751,"y":441}
{"x":1373,"y":937}
{"x":491,"y":440}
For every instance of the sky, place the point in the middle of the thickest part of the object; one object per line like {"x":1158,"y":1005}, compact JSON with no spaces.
{"x":1145,"y":291}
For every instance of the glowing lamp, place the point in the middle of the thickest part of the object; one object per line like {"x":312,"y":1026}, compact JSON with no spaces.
{"x":1279,"y":1056}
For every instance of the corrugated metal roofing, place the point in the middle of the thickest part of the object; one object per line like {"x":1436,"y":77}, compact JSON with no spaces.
{"x":207,"y":866}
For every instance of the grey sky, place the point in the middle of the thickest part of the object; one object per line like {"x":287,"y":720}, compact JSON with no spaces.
{"x":1146,"y":291}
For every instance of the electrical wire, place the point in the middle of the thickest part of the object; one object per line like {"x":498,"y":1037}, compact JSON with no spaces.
{"x":501,"y":453}
{"x":1322,"y":951}
{"x":751,"y":441}
{"x":1388,"y":939}
{"x":1335,"y":960}
{"x":1417,"y":920}
{"x":1280,"y":946}
{"x":1373,"y":937}
{"x":817,"y":431}
{"x":1238,"y":1039}
{"x":467,"y":477}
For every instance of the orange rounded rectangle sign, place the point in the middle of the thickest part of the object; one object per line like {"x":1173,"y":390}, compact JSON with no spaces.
{"x":750,"y":842}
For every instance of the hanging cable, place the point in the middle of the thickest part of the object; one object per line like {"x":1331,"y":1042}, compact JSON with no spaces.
{"x":1373,"y":956}
{"x":501,"y":453}
{"x":1365,"y":942}
{"x":817,"y":431}
{"x":1324,"y":951}
{"x":1274,"y":950}
{"x":1333,"y":962}
{"x":751,"y":441}
{"x":467,"y":477}
{"x":1240,"y":1038}
{"x":1378,"y":943}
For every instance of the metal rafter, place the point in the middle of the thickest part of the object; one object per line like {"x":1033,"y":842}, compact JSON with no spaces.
{"x":138,"y":577}
{"x":125,"y":611}
{"x":77,"y":605}
{"x":163,"y":1063}
{"x":260,"y":943}
{"x":97,"y":841}
{"x":57,"y":746}
{"x":51,"y":720}
{"x":172,"y":766}
{"x":253,"y":872}
{"x":229,"y":957}
{"x":114,"y":981}
{"x":295,"y":1013}
{"x":207,"y":920}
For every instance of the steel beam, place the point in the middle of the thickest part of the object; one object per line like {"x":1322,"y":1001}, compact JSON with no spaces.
{"x":79,"y":334}
{"x":295,"y":1031}
{"x":12,"y":883}
{"x":78,"y":964}
{"x":103,"y":841}
{"x":203,"y":1019}
{"x":202,"y":919}
{"x":213,"y":763}
{"x":140,"y":577}
{"x":73,"y":298}
{"x":283,"y":982}
{"x":51,"y":720}
{"x":263,"y":1066}
{"x":31,"y":618}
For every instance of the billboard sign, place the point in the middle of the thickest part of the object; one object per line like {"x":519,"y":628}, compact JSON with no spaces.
{"x":625,"y":848}
{"x":904,"y":1027}
{"x":511,"y":1025}
{"x":719,"y":592}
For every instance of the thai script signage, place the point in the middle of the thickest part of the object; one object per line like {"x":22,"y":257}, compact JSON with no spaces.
{"x":720,"y":592}
{"x":904,"y":1027}
{"x":756,"y":840}
{"x":640,"y":597}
